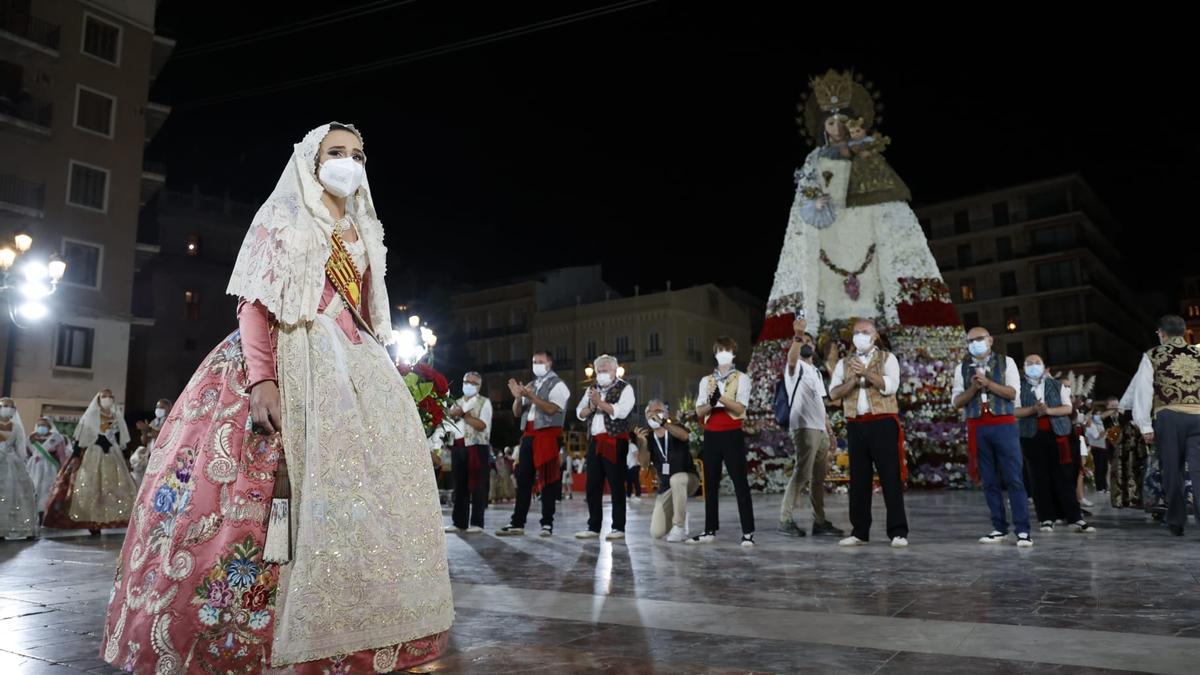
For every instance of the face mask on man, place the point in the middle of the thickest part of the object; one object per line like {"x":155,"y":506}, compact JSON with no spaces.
{"x":1034,"y":370}
{"x":604,"y":379}
{"x":469,"y":389}
{"x":978,"y":347}
{"x":724,"y":358}
{"x":863,"y":341}
{"x":540,"y":369}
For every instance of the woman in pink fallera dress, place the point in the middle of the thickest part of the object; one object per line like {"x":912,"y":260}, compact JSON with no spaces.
{"x":303,"y":391}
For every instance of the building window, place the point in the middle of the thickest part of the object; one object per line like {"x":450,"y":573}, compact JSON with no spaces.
{"x":1012,"y":319}
{"x":1004,"y":248}
{"x":84,"y":261}
{"x":1062,"y":311}
{"x":966,"y":289}
{"x":1015,"y":351}
{"x":1046,"y":204}
{"x":87,"y":186}
{"x":714,"y":301}
{"x":560,"y":353}
{"x":691,"y":345}
{"x":1008,"y":284}
{"x":1050,"y":239}
{"x":591,"y":350}
{"x":965,"y":259}
{"x":191,"y":303}
{"x":193,"y":244}
{"x":1193,"y":311}
{"x":623,"y":345}
{"x":101,"y":39}
{"x":74,"y":347}
{"x":962,"y":222}
{"x":1058,"y":274}
{"x":94,"y":111}
{"x":1065,"y":349}
{"x":970,"y":320}
{"x":655,"y":344}
{"x":1000,"y":216}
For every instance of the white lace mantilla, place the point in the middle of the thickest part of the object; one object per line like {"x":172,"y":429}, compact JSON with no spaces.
{"x":282,"y":260}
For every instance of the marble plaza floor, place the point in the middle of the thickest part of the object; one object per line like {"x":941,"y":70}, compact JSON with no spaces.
{"x":1126,"y":599}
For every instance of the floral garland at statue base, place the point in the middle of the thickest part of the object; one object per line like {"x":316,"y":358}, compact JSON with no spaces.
{"x":934,"y":431}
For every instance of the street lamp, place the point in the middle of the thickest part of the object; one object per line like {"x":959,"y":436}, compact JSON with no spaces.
{"x":412,"y":344}
{"x":25,"y":285}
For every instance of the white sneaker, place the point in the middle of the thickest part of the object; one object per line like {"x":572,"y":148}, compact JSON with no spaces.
{"x":474,"y":529}
{"x":676,"y":535}
{"x":1023,"y":540}
{"x":1082,"y":526}
{"x":702,"y":538}
{"x":615,"y":535}
{"x":547,"y":531}
{"x":450,"y":529}
{"x":995,"y":537}
{"x":587,"y":534}
{"x":748,"y":540}
{"x":1047,"y":526}
{"x":1086,"y":503}
{"x":851,"y":541}
{"x":899,"y":542}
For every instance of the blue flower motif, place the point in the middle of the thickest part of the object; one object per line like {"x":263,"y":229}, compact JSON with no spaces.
{"x":209,"y":615}
{"x":241,"y":573}
{"x":164,"y":499}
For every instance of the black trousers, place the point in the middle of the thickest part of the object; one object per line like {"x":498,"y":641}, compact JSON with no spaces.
{"x":1177,"y":438}
{"x":728,"y":447}
{"x":633,"y":481}
{"x":1053,"y":486}
{"x":525,"y":479}
{"x":873,"y":447}
{"x":1100,"y":458}
{"x":469,"y":505}
{"x":600,"y":470}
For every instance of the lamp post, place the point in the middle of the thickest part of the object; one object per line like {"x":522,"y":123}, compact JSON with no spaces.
{"x":414,"y":342}
{"x":27,"y":282}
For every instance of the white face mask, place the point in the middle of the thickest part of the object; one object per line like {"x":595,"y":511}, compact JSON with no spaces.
{"x":106,"y":402}
{"x":540,"y":369}
{"x":42,"y":430}
{"x":342,"y":177}
{"x":863,"y":342}
{"x":470,"y":390}
{"x":978,"y":347}
{"x":7,"y":412}
{"x":724,"y":358}
{"x":653,"y":423}
{"x":604,"y":379}
{"x":160,"y":413}
{"x":1034,"y":370}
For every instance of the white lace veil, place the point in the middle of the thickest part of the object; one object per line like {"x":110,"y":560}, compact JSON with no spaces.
{"x":282,"y":260}
{"x":19,"y":437}
{"x":88,"y":429}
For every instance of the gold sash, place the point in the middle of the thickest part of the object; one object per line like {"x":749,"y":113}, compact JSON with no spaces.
{"x":346,"y":280}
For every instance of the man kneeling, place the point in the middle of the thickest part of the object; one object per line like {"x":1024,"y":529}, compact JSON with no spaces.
{"x":665,"y":445}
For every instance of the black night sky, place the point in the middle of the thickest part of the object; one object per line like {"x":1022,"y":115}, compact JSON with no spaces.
{"x":660,"y":138}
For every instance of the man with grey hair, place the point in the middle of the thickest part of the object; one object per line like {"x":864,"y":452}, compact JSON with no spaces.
{"x":605,"y":408}
{"x":1166,"y":409}
{"x":665,"y":447}
{"x":470,"y":456}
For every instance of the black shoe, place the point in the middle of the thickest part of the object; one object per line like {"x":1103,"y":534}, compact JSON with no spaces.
{"x":827,"y":528}
{"x":791,"y":529}
{"x":1086,"y":513}
{"x":1177,"y":530}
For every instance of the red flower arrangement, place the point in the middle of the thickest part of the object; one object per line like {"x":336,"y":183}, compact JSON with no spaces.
{"x":431,"y":392}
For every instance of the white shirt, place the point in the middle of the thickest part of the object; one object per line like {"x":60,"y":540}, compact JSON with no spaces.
{"x":1143,"y":396}
{"x":559,"y":396}
{"x":1012,"y":378}
{"x":891,"y":378}
{"x":1096,"y":435}
{"x":808,"y":405}
{"x":621,"y":409}
{"x":484,"y":413}
{"x":1039,"y":391}
{"x":742,"y":396}
{"x":631,"y":458}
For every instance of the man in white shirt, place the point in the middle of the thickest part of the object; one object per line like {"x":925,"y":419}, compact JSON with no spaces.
{"x":993,"y":438}
{"x":541,"y":407}
{"x":470,"y":457}
{"x":605,"y":409}
{"x":633,"y":473}
{"x":1166,"y":409}
{"x":866,"y":382}
{"x":810,"y":434}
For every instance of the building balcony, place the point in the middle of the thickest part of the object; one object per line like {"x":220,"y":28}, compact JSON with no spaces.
{"x":653,"y":353}
{"x":156,"y":116}
{"x":22,"y":197}
{"x":27,"y":30}
{"x":27,"y":116}
{"x":154,"y":177}
{"x":159,"y":53}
